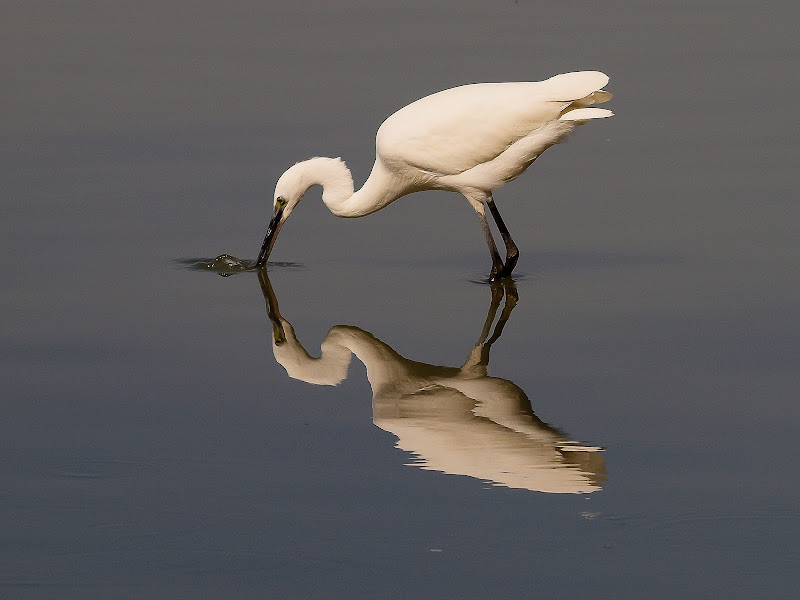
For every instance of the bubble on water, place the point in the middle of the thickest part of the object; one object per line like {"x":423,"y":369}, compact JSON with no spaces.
{"x":224,"y":264}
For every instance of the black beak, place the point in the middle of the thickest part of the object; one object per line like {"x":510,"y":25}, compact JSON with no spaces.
{"x":269,"y":239}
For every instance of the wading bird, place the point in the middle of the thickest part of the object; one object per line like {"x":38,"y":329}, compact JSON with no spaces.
{"x":469,"y":139}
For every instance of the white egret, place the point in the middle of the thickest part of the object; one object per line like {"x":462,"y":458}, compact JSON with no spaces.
{"x":469,"y":139}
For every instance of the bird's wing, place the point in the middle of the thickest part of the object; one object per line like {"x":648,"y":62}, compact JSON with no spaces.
{"x":456,"y":129}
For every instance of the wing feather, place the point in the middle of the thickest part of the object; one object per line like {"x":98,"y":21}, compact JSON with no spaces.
{"x":456,"y":129}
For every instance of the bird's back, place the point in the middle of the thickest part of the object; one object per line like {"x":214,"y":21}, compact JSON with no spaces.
{"x":456,"y":129}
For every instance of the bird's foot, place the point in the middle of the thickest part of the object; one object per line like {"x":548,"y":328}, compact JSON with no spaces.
{"x":504,"y":270}
{"x":497,"y":269}
{"x":511,"y":262}
{"x":498,"y":276}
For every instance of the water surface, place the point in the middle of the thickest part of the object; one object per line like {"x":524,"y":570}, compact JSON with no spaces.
{"x":153,"y":447}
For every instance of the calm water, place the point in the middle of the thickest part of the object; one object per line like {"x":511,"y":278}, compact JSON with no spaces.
{"x":641,"y":438}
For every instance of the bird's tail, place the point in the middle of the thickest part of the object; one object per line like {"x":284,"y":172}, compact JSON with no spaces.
{"x":584,"y":114}
{"x":578,"y":91}
{"x":571,"y":87}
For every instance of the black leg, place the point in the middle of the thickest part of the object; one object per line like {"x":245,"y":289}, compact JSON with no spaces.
{"x":512,"y":253}
{"x":497,"y":262}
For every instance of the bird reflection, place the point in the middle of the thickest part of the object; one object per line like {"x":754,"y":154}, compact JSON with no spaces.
{"x":456,"y":420}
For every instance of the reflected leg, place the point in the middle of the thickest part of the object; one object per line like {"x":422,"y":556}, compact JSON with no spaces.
{"x":511,"y":301}
{"x":478,"y":359}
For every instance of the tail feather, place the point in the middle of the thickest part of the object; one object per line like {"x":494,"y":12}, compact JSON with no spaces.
{"x":597,"y":97}
{"x":584,"y":114}
{"x":574,"y":86}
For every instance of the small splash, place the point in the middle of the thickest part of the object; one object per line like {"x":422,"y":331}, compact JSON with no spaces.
{"x":226,"y":265}
{"x":516,"y":277}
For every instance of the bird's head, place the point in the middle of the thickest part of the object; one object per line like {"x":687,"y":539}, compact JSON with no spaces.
{"x":289,"y":190}
{"x":330,"y":173}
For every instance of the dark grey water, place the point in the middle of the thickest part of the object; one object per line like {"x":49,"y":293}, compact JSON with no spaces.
{"x":152,"y":447}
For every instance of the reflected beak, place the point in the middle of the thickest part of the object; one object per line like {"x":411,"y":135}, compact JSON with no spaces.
{"x":269,"y":240}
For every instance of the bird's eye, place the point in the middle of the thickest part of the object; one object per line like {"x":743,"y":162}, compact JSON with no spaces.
{"x":280,"y":202}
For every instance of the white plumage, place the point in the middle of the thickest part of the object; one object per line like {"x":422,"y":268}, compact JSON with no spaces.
{"x":470,"y":139}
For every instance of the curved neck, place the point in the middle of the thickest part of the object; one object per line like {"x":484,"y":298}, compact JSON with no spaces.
{"x":338,"y":192}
